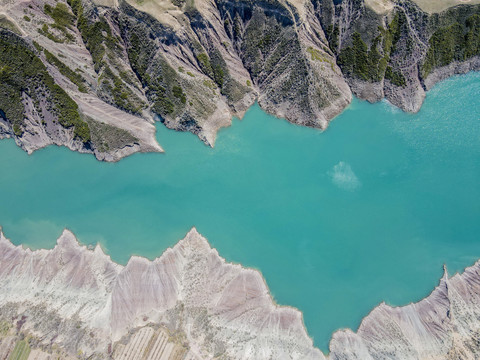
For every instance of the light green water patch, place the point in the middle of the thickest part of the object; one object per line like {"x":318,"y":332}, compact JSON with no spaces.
{"x":337,"y":222}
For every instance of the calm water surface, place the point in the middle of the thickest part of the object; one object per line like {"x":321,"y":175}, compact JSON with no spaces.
{"x":337,"y":222}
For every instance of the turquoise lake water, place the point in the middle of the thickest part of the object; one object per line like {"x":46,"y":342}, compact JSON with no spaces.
{"x":337,"y":222}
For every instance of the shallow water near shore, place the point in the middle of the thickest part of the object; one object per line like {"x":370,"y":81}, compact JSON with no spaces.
{"x":367,"y":211}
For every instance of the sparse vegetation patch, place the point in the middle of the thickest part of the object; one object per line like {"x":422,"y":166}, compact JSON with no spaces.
{"x":22,"y":72}
{"x":74,"y":77}
{"x":453,"y":43}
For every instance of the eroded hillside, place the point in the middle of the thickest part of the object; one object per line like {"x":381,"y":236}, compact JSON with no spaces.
{"x":71,"y":302}
{"x":95,"y":75}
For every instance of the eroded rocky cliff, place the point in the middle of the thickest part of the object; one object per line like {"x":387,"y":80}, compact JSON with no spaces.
{"x":75,"y":302}
{"x":398,"y":51}
{"x":95,"y":74}
{"x":83,"y":302}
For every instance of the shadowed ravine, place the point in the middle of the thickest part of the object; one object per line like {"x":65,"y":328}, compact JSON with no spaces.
{"x":337,"y":222}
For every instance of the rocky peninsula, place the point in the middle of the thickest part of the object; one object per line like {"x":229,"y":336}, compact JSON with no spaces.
{"x":94,"y":75}
{"x":75,"y":302}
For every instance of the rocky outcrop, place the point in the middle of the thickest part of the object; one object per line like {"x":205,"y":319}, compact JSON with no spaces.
{"x":192,"y":65}
{"x":398,"y":51}
{"x":51,"y":45}
{"x":195,"y":64}
{"x":445,"y":325}
{"x":80,"y":300}
{"x":454,"y":68}
{"x":77,"y":300}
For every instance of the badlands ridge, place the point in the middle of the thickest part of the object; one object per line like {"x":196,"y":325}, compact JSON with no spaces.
{"x":74,"y":302}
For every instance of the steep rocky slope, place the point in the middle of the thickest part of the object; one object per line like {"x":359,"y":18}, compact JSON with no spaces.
{"x":190,"y":304}
{"x":108,"y":69}
{"x":49,"y":88}
{"x":398,"y":51}
{"x":445,"y":325}
{"x":82,"y":301}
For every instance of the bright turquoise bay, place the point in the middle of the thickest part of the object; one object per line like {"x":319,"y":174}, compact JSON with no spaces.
{"x":338,"y":221}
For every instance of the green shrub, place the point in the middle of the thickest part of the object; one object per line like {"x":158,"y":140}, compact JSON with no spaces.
{"x":123,"y":97}
{"x":472,"y":37}
{"x":369,"y":64}
{"x":157,"y":76}
{"x":204,"y":63}
{"x":446,"y":45}
{"x":316,"y":55}
{"x":453,"y":43}
{"x":395,"y":77}
{"x":332,"y":34}
{"x":61,"y":15}
{"x":93,"y":34}
{"x":219,"y":68}
{"x":107,"y":137}
{"x":74,"y":77}
{"x":22,"y":72}
{"x":100,"y":42}
{"x":63,"y":19}
{"x":37,"y":46}
{"x":178,"y":93}
{"x":354,"y":59}
{"x":45,"y":31}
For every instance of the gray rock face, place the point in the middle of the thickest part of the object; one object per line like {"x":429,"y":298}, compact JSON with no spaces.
{"x":80,"y":300}
{"x":452,"y":69}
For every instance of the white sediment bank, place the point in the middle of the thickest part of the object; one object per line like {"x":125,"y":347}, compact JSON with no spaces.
{"x":80,"y":299}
